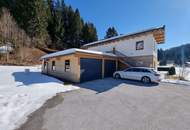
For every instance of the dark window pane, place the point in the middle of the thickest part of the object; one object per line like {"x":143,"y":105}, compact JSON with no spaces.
{"x":53,"y":65}
{"x":140,"y":45}
{"x":146,"y":71}
{"x":128,"y":70}
{"x":67,"y":65}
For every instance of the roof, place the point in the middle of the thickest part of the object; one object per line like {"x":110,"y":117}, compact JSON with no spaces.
{"x":158,"y":33}
{"x":74,"y":50}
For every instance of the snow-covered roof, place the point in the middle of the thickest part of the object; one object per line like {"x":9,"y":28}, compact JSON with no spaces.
{"x":74,"y":50}
{"x":122,"y":36}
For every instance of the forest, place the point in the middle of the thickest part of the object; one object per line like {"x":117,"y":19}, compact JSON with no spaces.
{"x":179,"y":55}
{"x":44,"y":23}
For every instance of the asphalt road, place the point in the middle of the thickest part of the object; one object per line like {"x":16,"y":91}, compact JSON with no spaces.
{"x":116,"y":105}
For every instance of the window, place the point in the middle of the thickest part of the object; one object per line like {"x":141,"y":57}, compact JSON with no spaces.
{"x":114,"y":50}
{"x":140,"y":45}
{"x":128,"y":70}
{"x":67,"y":65}
{"x":136,"y":70}
{"x":53,"y":65}
{"x":45,"y":64}
{"x":132,"y":70}
{"x":146,"y":71}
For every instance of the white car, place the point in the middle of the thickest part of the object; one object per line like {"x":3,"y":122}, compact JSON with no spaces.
{"x":146,"y":75}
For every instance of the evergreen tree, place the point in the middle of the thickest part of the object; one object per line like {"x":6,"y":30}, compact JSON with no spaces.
{"x":56,"y":25}
{"x":160,"y":54}
{"x":111,"y":32}
{"x":68,"y":22}
{"x":77,"y":26}
{"x":43,"y":18}
{"x":32,"y":16}
{"x":89,"y":33}
{"x":6,"y":3}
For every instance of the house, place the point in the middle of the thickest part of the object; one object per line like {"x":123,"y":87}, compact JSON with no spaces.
{"x":6,"y":48}
{"x":136,"y":49}
{"x":101,"y":58}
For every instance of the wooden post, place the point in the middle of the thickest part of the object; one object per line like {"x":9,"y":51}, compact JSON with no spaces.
{"x":103,"y":68}
{"x":117,"y":64}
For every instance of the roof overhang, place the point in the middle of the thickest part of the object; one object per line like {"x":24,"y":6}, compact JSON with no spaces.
{"x":159,"y":35}
{"x":75,"y":51}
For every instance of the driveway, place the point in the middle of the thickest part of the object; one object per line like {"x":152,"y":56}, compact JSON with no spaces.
{"x":116,"y":105}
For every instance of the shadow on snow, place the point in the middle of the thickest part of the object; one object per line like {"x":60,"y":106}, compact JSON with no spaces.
{"x":29,"y":78}
{"x":97,"y":85}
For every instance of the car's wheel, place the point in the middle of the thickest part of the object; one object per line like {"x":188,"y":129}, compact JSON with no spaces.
{"x":117,"y":76}
{"x":146,"y":79}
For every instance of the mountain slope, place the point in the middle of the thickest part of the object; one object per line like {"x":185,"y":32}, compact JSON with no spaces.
{"x":178,"y":54}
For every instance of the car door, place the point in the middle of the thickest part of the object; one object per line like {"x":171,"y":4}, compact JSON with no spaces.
{"x":139,"y":74}
{"x":135,"y":74}
{"x":128,"y":74}
{"x":147,"y":73}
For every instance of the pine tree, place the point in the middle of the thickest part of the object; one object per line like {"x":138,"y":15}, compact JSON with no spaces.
{"x":51,"y":22}
{"x":76,"y":29}
{"x":56,"y":25}
{"x":68,"y":16}
{"x":32,"y":16}
{"x":89,"y":33}
{"x":6,"y":3}
{"x":111,"y":32}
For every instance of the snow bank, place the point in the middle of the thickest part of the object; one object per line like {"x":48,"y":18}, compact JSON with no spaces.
{"x":187,"y":72}
{"x":21,"y":93}
{"x":178,"y":71}
{"x":181,"y":82}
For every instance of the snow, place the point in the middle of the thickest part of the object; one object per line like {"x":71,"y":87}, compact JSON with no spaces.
{"x":176,"y":81}
{"x":5,"y":49}
{"x":74,"y":50}
{"x":21,"y":93}
{"x":186,"y":73}
{"x":181,"y":82}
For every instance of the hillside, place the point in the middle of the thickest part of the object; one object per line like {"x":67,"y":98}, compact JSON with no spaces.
{"x":23,"y":56}
{"x":177,"y":54}
{"x":50,"y":25}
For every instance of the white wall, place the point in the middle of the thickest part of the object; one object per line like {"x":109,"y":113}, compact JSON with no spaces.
{"x":128,"y":47}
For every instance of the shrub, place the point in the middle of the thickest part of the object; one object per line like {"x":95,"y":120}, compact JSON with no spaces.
{"x":172,"y":71}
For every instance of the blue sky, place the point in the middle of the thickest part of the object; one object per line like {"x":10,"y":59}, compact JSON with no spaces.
{"x":134,"y":15}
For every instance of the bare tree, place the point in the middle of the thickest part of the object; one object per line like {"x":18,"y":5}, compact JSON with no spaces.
{"x":10,"y":32}
{"x":183,"y":72}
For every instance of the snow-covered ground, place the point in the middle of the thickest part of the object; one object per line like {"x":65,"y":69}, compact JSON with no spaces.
{"x":22,"y":92}
{"x":178,"y":72}
{"x":186,"y":72}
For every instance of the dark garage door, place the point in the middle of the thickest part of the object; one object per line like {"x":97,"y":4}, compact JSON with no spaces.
{"x":91,"y":69}
{"x":110,"y":68}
